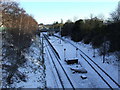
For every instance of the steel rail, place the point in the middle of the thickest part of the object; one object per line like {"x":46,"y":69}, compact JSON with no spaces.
{"x":56,"y":69}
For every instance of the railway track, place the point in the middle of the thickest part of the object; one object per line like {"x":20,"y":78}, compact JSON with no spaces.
{"x":63,"y":77}
{"x":103,"y":75}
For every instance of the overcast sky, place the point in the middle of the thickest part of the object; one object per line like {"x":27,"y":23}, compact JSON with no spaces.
{"x":48,"y":11}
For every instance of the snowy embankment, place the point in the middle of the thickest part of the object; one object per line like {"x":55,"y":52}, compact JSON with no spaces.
{"x":33,"y":68}
{"x":31,"y":73}
{"x":93,"y":80}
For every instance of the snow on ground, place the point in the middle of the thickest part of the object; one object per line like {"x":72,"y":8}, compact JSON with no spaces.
{"x":33,"y":69}
{"x":93,"y":80}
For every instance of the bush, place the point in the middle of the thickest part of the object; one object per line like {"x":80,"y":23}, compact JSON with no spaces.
{"x":97,"y":41}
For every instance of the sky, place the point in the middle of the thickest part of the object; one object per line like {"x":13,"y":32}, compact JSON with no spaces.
{"x":50,"y":11}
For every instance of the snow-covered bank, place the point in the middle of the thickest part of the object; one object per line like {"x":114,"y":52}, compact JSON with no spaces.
{"x":33,"y":68}
{"x":31,"y":74}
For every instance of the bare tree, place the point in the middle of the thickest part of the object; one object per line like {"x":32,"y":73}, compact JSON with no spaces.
{"x":116,"y":14}
{"x":104,"y":49}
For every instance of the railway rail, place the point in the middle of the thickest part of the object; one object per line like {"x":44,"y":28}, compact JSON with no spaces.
{"x":64,"y":80}
{"x":103,"y":75}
